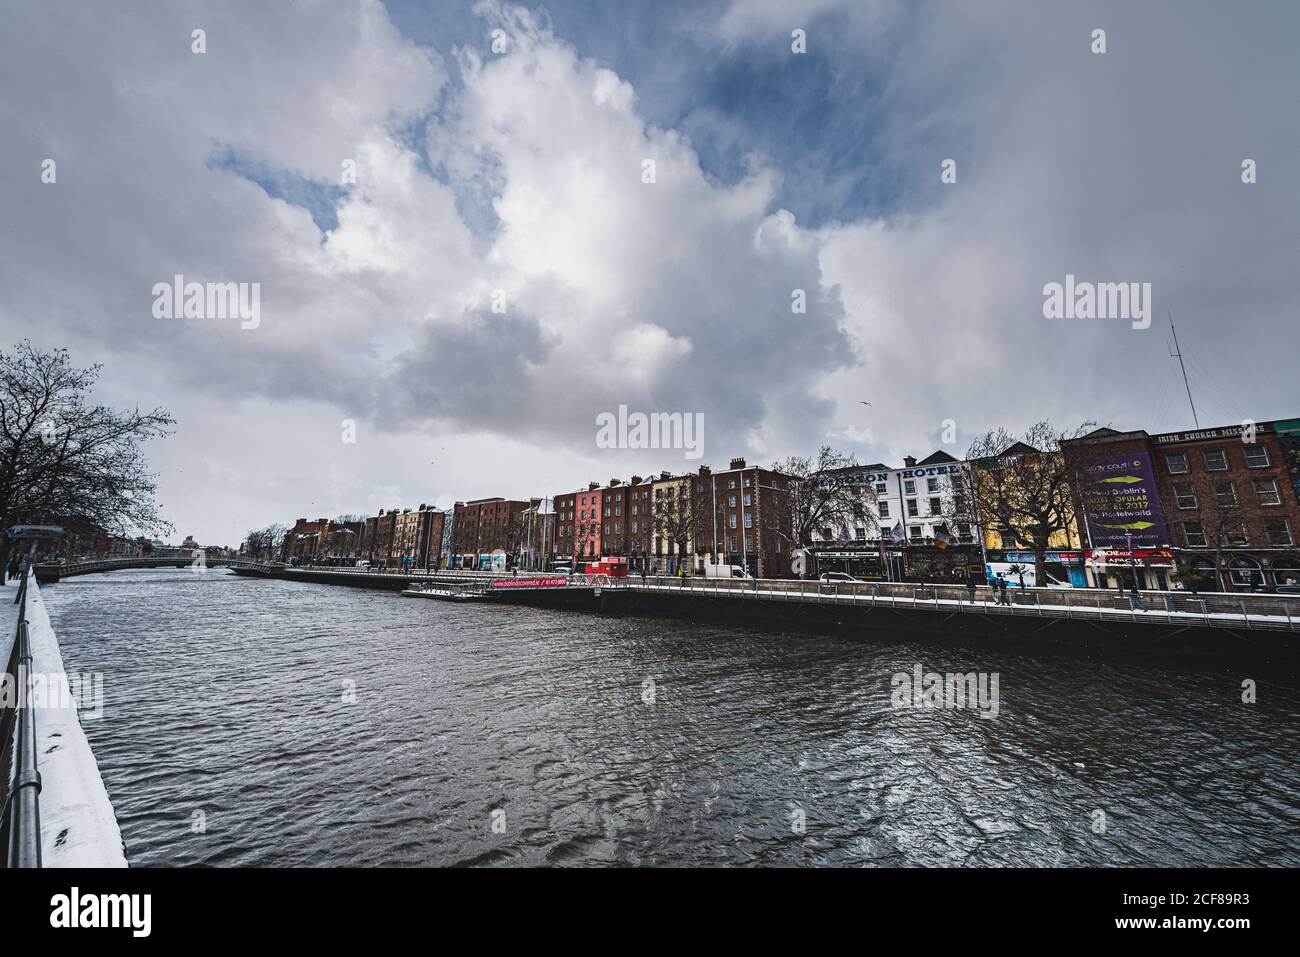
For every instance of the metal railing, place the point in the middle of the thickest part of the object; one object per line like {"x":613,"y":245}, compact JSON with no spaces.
{"x":1058,"y":603}
{"x":20,"y":821}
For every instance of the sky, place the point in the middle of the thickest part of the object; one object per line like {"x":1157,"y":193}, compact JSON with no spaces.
{"x":461,"y":263}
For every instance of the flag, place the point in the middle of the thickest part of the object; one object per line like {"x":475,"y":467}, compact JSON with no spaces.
{"x":942,"y":539}
{"x":897,"y":534}
{"x":844,"y":536}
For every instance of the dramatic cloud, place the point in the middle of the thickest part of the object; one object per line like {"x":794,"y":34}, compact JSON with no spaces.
{"x":463,"y":252}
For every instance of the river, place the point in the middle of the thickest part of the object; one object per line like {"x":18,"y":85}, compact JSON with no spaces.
{"x":274,"y":723}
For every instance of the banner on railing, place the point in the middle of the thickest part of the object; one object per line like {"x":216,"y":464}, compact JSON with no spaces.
{"x":551,"y":581}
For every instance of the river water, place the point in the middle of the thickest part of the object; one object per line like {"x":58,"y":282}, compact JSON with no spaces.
{"x":253,"y":722}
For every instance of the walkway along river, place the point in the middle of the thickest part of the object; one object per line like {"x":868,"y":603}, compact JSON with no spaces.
{"x":274,"y":722}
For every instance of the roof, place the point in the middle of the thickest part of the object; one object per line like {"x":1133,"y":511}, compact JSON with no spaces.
{"x":937,"y":457}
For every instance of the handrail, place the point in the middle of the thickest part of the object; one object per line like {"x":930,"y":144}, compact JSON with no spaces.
{"x":20,"y":827}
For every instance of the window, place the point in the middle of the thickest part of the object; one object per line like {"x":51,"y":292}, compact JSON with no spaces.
{"x":749,"y":521}
{"x":884,"y":510}
{"x":963,"y":531}
{"x":1216,"y":460}
{"x":860,"y":534}
{"x":748,"y":500}
{"x":1266,"y":492}
{"x":1194,"y":534}
{"x":731,"y":521}
{"x":634,"y":528}
{"x":909,"y":487}
{"x":1176,"y":462}
{"x":1225,"y":494}
{"x":1277,"y":530}
{"x":1235,"y":533}
{"x":731,"y":483}
{"x":914,"y":532}
{"x":912,"y":510}
{"x":935,"y":506}
{"x":881,"y":488}
{"x":731,"y":501}
{"x":1256,"y":457}
{"x":932,"y":485}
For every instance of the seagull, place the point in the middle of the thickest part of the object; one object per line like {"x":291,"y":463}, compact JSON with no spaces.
{"x":863,"y":402}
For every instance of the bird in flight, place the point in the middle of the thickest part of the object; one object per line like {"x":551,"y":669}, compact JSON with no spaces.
{"x":863,"y":402}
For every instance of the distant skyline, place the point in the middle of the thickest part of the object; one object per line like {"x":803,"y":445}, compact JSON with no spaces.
{"x":461,"y":266}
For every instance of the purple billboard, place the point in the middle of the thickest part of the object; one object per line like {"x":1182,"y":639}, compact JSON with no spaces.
{"x":1120,"y":499}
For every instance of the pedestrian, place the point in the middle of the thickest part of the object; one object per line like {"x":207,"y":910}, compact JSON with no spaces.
{"x":970,"y":589}
{"x":1001,"y":585}
{"x":1135,"y":599}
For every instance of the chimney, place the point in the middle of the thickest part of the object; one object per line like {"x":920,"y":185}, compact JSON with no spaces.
{"x":614,"y":482}
{"x":665,"y":476}
{"x":301,"y":521}
{"x":592,"y":486}
{"x":705,"y":470}
{"x":636,"y":480}
{"x":421,"y":506}
{"x":909,"y":461}
{"x":737,"y":464}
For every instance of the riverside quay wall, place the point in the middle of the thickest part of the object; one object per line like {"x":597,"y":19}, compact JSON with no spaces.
{"x":1219,"y":626}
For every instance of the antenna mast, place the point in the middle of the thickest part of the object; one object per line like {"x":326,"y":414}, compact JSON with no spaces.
{"x":1178,"y":354}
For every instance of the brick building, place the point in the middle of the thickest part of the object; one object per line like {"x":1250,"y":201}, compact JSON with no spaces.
{"x":1220,"y":504}
{"x":484,"y":528}
{"x":417,"y":537}
{"x":744,"y":519}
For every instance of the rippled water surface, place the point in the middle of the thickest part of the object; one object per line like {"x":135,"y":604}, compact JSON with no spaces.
{"x":229,"y":696}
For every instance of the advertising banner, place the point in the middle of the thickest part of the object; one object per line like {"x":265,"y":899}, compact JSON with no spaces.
{"x":1288,"y":436}
{"x":1120,"y":499}
{"x":550,"y":581}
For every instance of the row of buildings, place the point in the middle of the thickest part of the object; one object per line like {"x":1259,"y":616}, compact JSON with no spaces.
{"x":1218,"y":508}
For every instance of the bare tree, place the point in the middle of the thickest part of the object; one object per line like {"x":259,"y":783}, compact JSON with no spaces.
{"x":1019,"y":486}
{"x":265,"y":543}
{"x":65,"y":458}
{"x":820,"y":496}
{"x":677,"y":516}
{"x":1216,"y":519}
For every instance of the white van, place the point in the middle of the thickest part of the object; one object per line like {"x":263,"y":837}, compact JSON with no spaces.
{"x":725,"y":571}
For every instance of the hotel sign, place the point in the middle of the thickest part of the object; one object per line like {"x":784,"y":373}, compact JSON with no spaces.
{"x":1210,"y":435}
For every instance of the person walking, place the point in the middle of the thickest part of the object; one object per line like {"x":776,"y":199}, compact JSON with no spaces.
{"x":1001,"y":586}
{"x":1135,"y":599}
{"x":970,"y":589}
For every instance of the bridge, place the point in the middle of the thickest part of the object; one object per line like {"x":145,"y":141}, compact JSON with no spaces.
{"x":50,"y":572}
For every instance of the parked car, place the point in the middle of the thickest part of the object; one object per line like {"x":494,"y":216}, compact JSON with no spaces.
{"x":831,"y":578}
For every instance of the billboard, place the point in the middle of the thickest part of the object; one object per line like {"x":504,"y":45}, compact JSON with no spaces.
{"x":1288,"y":436}
{"x":1120,"y":499}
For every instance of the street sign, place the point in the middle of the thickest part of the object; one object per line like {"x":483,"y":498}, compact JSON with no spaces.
{"x":34,"y":531}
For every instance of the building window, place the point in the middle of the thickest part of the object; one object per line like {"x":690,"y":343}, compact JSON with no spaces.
{"x":912,"y":511}
{"x":1176,"y":462}
{"x":909,"y":487}
{"x":731,"y":521}
{"x":1235,"y":533}
{"x":1225,"y":494}
{"x":1266,"y":492}
{"x":731,"y":501}
{"x":860,"y":534}
{"x":932,"y":485}
{"x":881,"y":488}
{"x":1216,"y":460}
{"x":1194,"y":534}
{"x":1277,"y":530}
{"x":748,"y":499}
{"x":749,"y":521}
{"x":935,"y":506}
{"x":1256,"y":457}
{"x":884,"y":510}
{"x":731,"y":483}
{"x":1185,"y":495}
{"x":914,"y":532}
